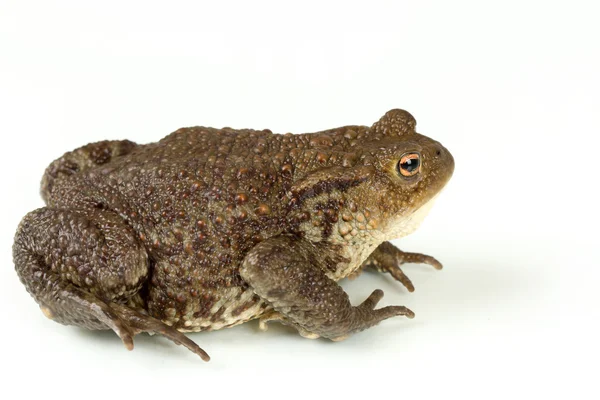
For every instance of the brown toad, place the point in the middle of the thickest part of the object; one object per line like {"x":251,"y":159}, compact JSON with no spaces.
{"x":209,"y":228}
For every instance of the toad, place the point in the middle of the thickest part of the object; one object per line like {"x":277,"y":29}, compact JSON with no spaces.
{"x":209,"y":228}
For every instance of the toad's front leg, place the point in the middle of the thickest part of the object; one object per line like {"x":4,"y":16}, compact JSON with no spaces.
{"x":287,"y":272}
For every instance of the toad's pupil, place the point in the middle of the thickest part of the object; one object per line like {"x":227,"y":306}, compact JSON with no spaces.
{"x":410,"y":165}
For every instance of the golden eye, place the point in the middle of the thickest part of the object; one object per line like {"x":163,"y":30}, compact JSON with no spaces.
{"x":409,"y":164}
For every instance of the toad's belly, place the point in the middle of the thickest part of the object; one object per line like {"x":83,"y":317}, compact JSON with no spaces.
{"x":235,"y":306}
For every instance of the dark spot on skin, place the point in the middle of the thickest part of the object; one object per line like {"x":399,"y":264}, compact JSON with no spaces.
{"x":240,"y":309}
{"x":329,"y":185}
{"x":217,"y":315}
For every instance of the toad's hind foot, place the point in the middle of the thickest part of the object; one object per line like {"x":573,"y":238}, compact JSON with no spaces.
{"x":130,"y":322}
{"x":81,"y":308}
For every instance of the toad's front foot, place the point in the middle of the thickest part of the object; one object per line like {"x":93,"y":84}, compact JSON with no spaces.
{"x":388,"y":258}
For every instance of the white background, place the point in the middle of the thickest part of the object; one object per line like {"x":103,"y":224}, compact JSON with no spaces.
{"x":511,"y":88}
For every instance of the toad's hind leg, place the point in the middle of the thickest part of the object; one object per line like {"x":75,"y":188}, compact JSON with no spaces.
{"x":85,"y":268}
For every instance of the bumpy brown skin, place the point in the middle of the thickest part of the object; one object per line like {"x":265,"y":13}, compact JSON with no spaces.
{"x":209,"y":228}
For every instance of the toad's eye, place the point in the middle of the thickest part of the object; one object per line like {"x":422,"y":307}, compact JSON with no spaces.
{"x":409,"y":164}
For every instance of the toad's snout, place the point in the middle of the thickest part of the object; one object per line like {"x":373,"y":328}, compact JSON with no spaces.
{"x":440,"y":164}
{"x":444,"y":158}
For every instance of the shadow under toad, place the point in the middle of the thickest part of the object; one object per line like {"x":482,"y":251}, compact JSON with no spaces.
{"x":470,"y":286}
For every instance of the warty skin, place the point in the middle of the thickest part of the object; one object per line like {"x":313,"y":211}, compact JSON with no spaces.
{"x":209,"y":228}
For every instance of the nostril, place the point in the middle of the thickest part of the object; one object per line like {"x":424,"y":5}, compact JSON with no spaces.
{"x":438,"y":153}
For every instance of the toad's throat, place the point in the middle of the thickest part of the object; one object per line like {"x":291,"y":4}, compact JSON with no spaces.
{"x":406,"y":225}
